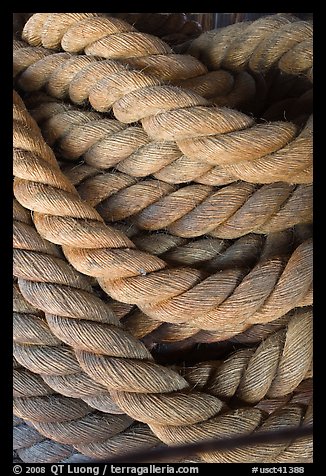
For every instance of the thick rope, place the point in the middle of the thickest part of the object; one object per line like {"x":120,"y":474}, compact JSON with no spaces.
{"x":35,"y":347}
{"x":68,"y":420}
{"x":258,"y":309}
{"x":278,"y":40}
{"x":88,"y":433}
{"x":275,"y":368}
{"x":27,"y":385}
{"x":109,"y":37}
{"x":32,"y":447}
{"x":55,"y":417}
{"x":39,"y":408}
{"x":297,"y":328}
{"x":258,"y":153}
{"x":106,"y":143}
{"x":211,"y":255}
{"x":155,"y":205}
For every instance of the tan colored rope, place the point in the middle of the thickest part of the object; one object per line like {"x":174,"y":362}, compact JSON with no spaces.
{"x":30,"y":386}
{"x":29,"y":357}
{"x":105,"y":143}
{"x":57,"y":365}
{"x":55,"y":417}
{"x":191,"y":211}
{"x":275,"y":368}
{"x":277,"y":40}
{"x":256,"y":153}
{"x":258,"y":308}
{"x":68,"y":420}
{"x":109,"y":38}
{"x":35,"y":347}
{"x":137,"y":396}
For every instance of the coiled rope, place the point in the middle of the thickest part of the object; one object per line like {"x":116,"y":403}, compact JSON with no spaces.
{"x":156,"y":409}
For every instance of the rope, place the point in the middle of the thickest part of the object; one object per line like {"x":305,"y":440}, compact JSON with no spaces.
{"x":85,"y":134}
{"x":46,"y":411}
{"x":252,"y":152}
{"x":284,"y":343}
{"x":162,"y":398}
{"x":277,"y":40}
{"x":244,"y":253}
{"x":32,"y":447}
{"x":229,"y":443}
{"x":68,"y":420}
{"x":109,"y":38}
{"x":275,"y":368}
{"x":194,"y":210}
{"x":175,"y":408}
{"x":35,"y":347}
{"x":29,"y":165}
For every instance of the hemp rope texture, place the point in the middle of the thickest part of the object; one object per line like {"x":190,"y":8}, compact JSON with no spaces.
{"x":124,"y":398}
{"x":45,"y":426}
{"x":277,"y":40}
{"x":276,"y":305}
{"x":69,"y":421}
{"x":279,"y":349}
{"x":34,"y":448}
{"x":131,"y":151}
{"x":167,"y":150}
{"x":243,"y":254}
{"x":51,"y":421}
{"x":50,"y":364}
{"x":66,"y":420}
{"x":193,"y":210}
{"x":165,"y":99}
{"x":61,"y":429}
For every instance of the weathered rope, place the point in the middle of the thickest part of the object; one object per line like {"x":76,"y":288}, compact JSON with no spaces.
{"x":191,"y":211}
{"x":32,"y":447}
{"x":284,"y":343}
{"x":258,"y":153}
{"x":166,"y":412}
{"x":49,"y":414}
{"x":110,"y":38}
{"x":57,"y":418}
{"x":106,"y":143}
{"x":89,"y":433}
{"x":121,"y":284}
{"x":211,"y":255}
{"x":275,"y":368}
{"x":67,"y":420}
{"x":277,"y":40}
{"x":35,"y":347}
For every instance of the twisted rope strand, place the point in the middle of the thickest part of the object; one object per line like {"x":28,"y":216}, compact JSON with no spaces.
{"x":25,"y":191}
{"x":112,"y":38}
{"x":277,"y":40}
{"x":117,"y":197}
{"x":55,"y":417}
{"x":168,"y":113}
{"x":275,"y":368}
{"x":32,"y":408}
{"x":125,"y":376}
{"x":70,"y":421}
{"x":293,"y":331}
